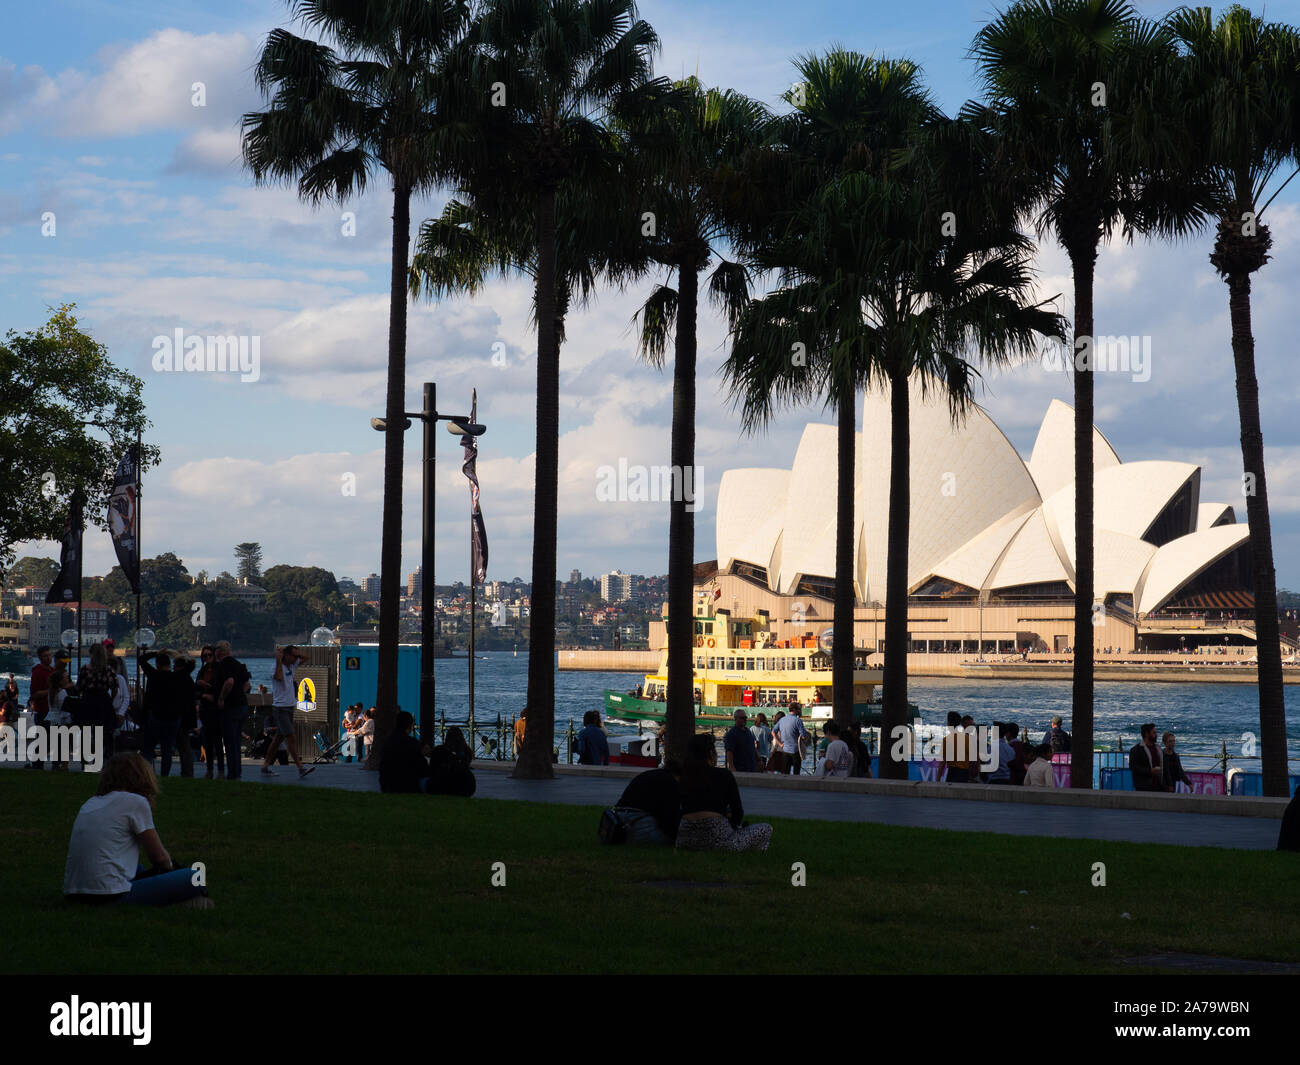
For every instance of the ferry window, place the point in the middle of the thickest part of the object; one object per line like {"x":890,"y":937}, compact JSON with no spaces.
{"x":713,"y":663}
{"x":731,"y":663}
{"x":803,"y":663}
{"x":749,"y":663}
{"x":708,"y":628}
{"x":699,"y":628}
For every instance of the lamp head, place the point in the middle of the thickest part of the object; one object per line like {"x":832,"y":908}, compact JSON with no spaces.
{"x":466,"y":428}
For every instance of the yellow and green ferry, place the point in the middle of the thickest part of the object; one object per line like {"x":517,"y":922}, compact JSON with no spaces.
{"x":738,"y":664}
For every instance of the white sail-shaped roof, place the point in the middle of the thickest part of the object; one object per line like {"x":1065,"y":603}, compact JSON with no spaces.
{"x":1209,"y":515}
{"x":808,"y":543}
{"x":964,"y":478}
{"x":1181,"y":560}
{"x":751,"y":516}
{"x":1126,"y":499}
{"x":972,"y":564}
{"x":976,"y":515}
{"x":1032,"y":558}
{"x":1052,"y":461}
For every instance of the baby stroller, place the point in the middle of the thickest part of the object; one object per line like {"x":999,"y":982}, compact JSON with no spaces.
{"x":329,"y":752}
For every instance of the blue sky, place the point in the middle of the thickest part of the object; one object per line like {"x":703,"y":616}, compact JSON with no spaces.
{"x":158,"y":228}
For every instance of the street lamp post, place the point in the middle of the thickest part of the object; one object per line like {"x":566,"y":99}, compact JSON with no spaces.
{"x":459,"y":425}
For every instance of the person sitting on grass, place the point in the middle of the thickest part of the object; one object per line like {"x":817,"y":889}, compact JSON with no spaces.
{"x":1039,"y":773}
{"x":402,"y":766}
{"x":713,"y":818}
{"x":449,"y":771}
{"x":651,"y":805}
{"x":104,"y":853}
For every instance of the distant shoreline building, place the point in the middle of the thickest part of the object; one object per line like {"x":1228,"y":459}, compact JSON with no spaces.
{"x":991,"y":547}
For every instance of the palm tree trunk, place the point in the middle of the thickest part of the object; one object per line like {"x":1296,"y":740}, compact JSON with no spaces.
{"x":535,"y":760}
{"x":842,"y":624}
{"x":1081,"y":718}
{"x":680,"y":712}
{"x":390,"y":562}
{"x":1272,"y":708}
{"x":894,"y":715}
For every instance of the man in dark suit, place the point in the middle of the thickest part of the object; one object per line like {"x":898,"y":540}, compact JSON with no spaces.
{"x":1145,"y":763}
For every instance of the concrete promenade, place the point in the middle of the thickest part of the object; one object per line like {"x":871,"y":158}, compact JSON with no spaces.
{"x":770,"y":796}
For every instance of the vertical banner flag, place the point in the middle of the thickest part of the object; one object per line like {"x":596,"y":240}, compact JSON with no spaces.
{"x":67,"y":585}
{"x":478,"y":533}
{"x":124,"y":517}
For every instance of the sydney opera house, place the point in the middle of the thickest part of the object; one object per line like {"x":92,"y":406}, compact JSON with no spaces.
{"x":992,"y":554}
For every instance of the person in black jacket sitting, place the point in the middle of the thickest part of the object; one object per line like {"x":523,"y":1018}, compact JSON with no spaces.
{"x":651,"y":805}
{"x":402,"y":767}
{"x":712,"y":815}
{"x":449,"y":771}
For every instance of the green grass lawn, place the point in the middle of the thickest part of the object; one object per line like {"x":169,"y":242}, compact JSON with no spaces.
{"x":325,"y":881}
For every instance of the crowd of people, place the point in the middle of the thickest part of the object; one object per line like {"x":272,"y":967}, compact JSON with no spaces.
{"x":187,"y":712}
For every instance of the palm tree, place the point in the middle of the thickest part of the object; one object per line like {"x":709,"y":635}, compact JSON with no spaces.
{"x":686,"y":148}
{"x":549,"y":73}
{"x":1236,"y":100}
{"x":880,"y":292}
{"x":1059,"y":74}
{"x":333,"y":119}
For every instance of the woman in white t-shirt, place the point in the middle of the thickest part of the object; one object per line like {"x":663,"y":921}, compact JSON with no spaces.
{"x":111,"y":828}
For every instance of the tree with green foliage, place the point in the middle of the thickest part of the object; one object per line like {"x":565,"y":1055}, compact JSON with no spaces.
{"x":54,"y":380}
{"x":1232,"y":111}
{"x":31,"y":572}
{"x":336,"y":117}
{"x":248,"y":557}
{"x":558,"y":69}
{"x":685,"y":149}
{"x":1064,"y":79}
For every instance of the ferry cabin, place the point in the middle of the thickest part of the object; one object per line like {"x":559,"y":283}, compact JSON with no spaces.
{"x":737,"y":663}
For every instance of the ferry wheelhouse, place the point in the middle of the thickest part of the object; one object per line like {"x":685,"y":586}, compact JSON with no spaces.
{"x":738,"y":663}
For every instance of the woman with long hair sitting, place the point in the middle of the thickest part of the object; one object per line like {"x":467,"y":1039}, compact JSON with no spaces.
{"x":713,"y":818}
{"x":111,"y":828}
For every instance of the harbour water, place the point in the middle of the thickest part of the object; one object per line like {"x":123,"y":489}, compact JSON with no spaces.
{"x":1204,"y":716}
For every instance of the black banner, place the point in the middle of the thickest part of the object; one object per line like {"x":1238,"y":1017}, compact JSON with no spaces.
{"x":478,"y":532}
{"x":124,"y":517}
{"x":67,"y":585}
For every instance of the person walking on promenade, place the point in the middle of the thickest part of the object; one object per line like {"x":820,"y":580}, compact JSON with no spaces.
{"x":231,"y":683}
{"x":39,"y":693}
{"x":1174,"y":773}
{"x":1056,"y":737}
{"x":713,"y":818}
{"x":762,"y":734}
{"x":593,"y":747}
{"x":742,"y":751}
{"x":1038,"y":773}
{"x":283,"y":700}
{"x":1145,"y":763}
{"x":793,"y":736}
